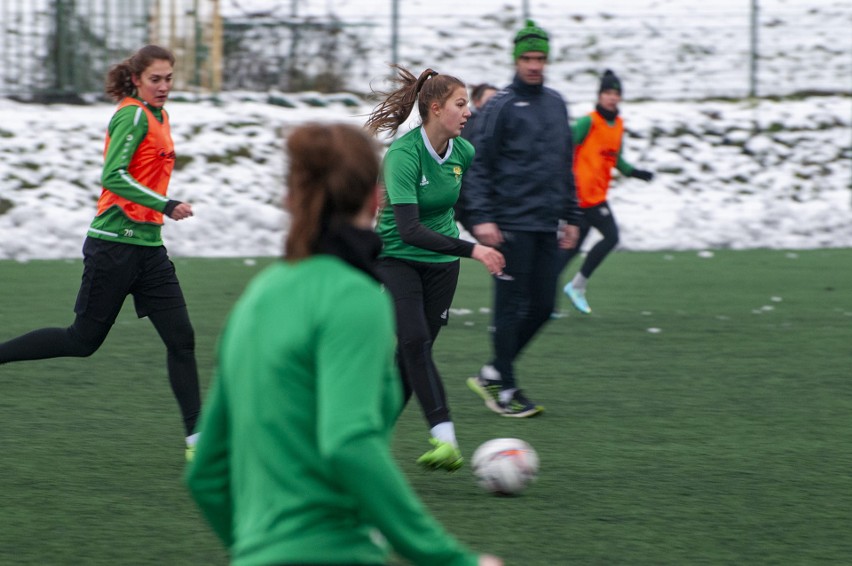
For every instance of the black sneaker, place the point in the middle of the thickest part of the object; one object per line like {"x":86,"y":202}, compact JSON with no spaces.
{"x":519,"y":406}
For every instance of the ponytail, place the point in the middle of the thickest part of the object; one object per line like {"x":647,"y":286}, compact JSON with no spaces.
{"x":390,"y":114}
{"x":429,"y":87}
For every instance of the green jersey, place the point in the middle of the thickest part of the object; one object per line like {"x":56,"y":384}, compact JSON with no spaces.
{"x":293,"y":465}
{"x":413,"y":173}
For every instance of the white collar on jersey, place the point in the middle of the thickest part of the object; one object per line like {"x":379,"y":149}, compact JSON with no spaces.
{"x":431,"y":149}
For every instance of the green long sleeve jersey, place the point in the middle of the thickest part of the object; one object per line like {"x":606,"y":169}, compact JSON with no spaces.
{"x":127,"y":130}
{"x":293,"y":464}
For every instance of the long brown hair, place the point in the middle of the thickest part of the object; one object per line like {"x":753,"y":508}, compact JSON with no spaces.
{"x":333,"y":171}
{"x":119,"y":79}
{"x":393,"y":111}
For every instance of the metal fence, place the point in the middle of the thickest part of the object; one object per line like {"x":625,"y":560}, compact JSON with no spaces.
{"x":291,"y":54}
{"x":62,"y":48}
{"x":665,"y":50}
{"x":54,"y":50}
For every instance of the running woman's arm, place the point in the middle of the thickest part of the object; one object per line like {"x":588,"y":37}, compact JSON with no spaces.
{"x":626,"y":168}
{"x":414,"y":233}
{"x":352,"y":384}
{"x":580,"y":129}
{"x":127,"y":129}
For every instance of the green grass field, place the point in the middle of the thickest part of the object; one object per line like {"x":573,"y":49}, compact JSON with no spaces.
{"x":722,"y":438}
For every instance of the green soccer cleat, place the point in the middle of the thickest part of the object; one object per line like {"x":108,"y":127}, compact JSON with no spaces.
{"x":191,"y":441}
{"x":487,"y":385}
{"x":444,"y":456}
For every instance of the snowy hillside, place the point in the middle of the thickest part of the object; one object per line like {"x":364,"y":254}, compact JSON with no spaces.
{"x":767,"y":173}
{"x":738,"y":175}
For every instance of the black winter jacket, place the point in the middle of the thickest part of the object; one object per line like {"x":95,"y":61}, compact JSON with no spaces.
{"x":521,"y":177}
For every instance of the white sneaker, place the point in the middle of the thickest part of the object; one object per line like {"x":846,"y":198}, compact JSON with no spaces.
{"x":490,"y":373}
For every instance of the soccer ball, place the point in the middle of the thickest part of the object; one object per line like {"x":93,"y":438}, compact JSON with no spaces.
{"x":505,"y":466}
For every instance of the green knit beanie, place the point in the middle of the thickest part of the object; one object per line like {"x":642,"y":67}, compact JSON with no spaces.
{"x":530,"y":38}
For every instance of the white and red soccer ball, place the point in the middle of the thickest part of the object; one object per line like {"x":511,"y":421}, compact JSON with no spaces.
{"x":505,"y":466}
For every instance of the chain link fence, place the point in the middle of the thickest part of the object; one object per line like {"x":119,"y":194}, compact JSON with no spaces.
{"x":291,"y":55}
{"x":61,"y":49}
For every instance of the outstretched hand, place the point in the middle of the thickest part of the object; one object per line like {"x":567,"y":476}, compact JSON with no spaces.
{"x":181,"y":211}
{"x":493,"y":260}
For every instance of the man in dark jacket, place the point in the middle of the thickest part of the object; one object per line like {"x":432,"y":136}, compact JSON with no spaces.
{"x":517,"y":190}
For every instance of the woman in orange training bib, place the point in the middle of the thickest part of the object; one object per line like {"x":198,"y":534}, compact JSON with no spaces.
{"x":123,"y":253}
{"x":597,"y":149}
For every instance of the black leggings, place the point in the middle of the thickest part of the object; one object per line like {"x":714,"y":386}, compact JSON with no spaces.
{"x":422,"y":294}
{"x":600,"y":218}
{"x":85,"y":336}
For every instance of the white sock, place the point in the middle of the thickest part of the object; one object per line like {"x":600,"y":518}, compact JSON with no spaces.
{"x":506,"y":395}
{"x":445,"y":432}
{"x":192,"y":439}
{"x":579,"y":282}
{"x":489,"y":372}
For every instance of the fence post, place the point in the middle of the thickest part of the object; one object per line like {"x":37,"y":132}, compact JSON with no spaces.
{"x":394,"y":32}
{"x":752,"y":91}
{"x":216,"y":50}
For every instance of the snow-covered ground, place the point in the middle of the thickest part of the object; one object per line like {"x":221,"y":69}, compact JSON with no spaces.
{"x":738,"y":175}
{"x":766,"y":173}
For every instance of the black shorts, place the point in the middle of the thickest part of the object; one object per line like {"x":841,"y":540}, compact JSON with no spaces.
{"x":111,"y":271}
{"x":422,"y":291}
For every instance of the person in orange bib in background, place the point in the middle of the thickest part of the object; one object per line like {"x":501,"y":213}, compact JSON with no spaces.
{"x":123,"y":253}
{"x":597,"y":149}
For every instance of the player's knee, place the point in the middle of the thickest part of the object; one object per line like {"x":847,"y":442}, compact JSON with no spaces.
{"x":611,"y":240}
{"x":86,"y":338}
{"x":83,"y":348}
{"x":181,"y":341}
{"x":415,"y":347}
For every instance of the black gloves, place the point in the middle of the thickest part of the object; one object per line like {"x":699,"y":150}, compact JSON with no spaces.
{"x":642,"y":174}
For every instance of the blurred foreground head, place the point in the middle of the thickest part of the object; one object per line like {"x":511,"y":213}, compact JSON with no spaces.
{"x":331,"y":180}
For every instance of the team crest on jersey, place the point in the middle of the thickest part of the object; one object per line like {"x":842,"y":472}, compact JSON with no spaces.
{"x":457,"y":172}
